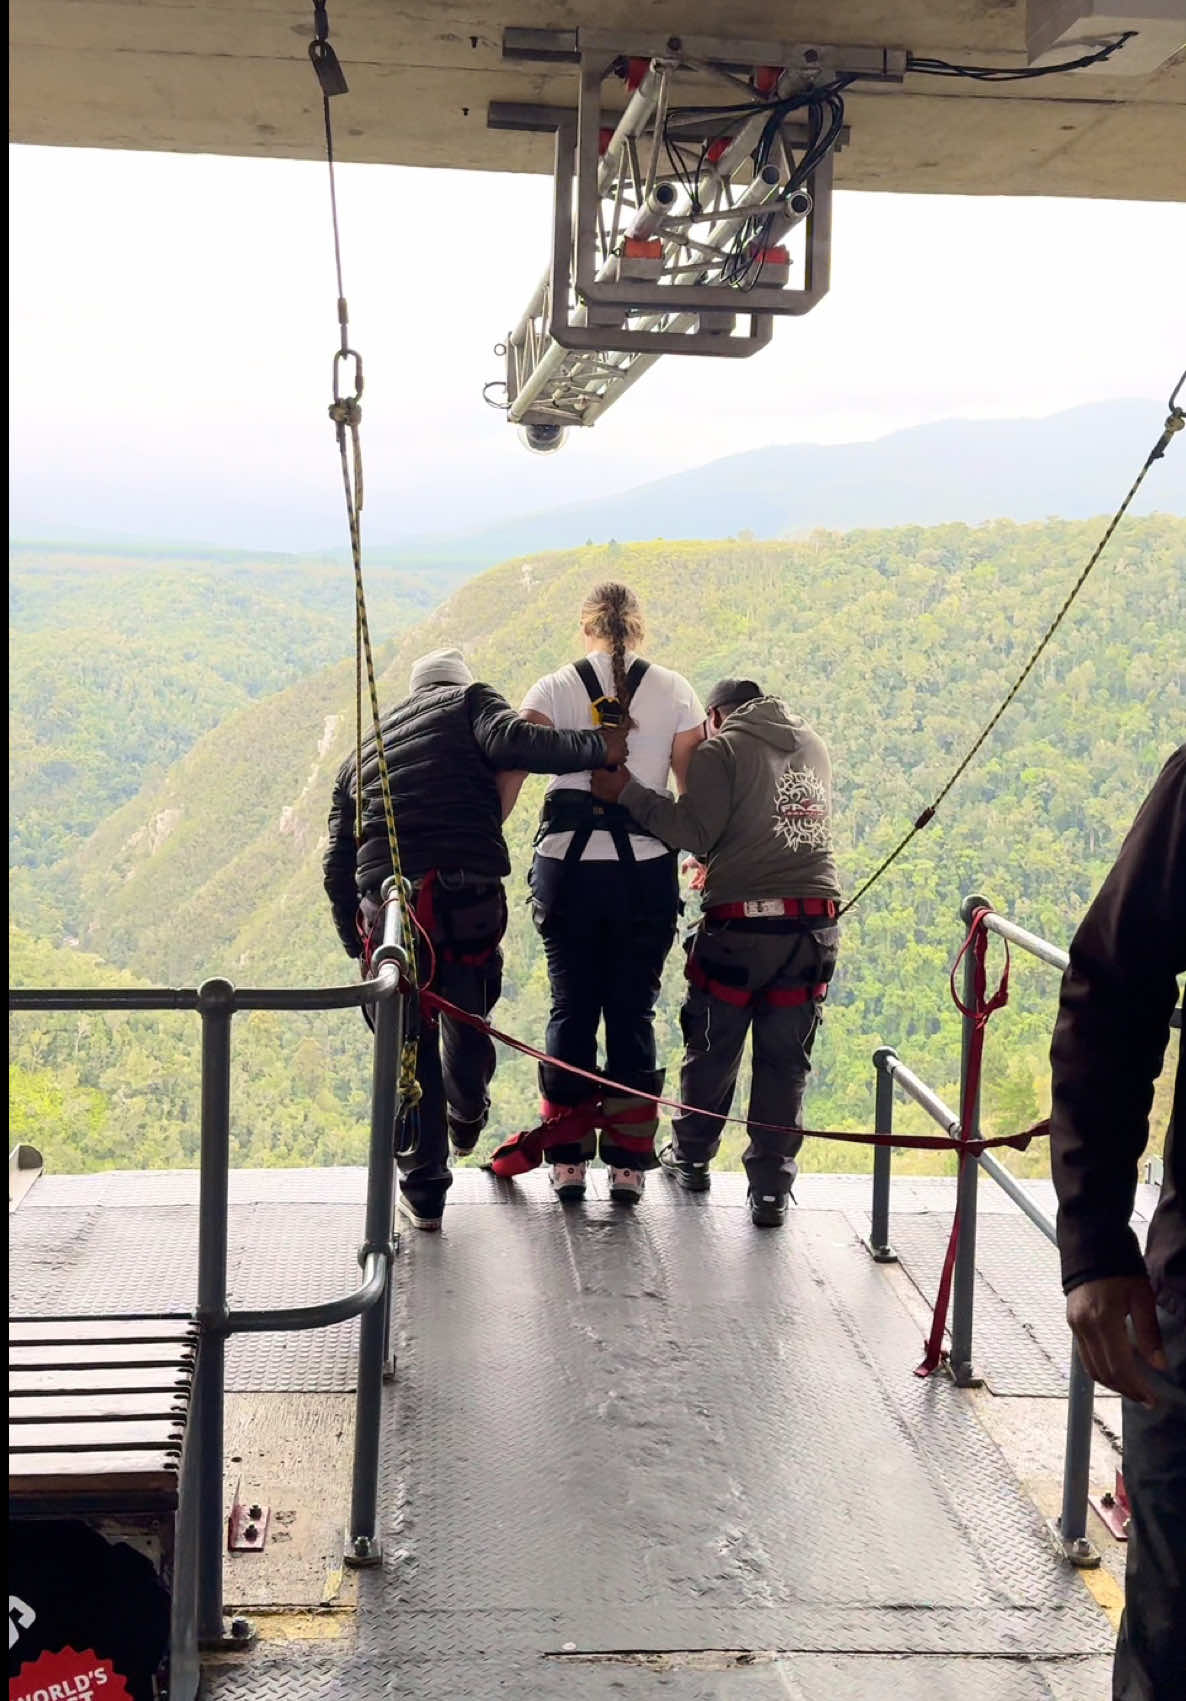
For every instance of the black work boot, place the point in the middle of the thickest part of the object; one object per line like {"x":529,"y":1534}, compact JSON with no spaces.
{"x":694,"y":1178}
{"x":768,"y":1210}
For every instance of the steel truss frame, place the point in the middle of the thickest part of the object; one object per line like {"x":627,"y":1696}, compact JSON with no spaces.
{"x":639,"y":252}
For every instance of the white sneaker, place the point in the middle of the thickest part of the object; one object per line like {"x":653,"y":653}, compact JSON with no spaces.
{"x":568,"y":1182}
{"x":626,"y":1185}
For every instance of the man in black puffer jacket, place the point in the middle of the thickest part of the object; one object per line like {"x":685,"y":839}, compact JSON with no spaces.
{"x":444,"y":745}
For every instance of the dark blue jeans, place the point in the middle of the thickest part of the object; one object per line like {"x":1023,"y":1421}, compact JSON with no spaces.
{"x":607,"y":928}
{"x":1151,"y":1650}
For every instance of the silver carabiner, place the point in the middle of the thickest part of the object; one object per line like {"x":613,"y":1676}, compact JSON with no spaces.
{"x":347,"y":354}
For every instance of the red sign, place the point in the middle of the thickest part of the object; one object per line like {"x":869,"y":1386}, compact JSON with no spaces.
{"x":68,"y":1676}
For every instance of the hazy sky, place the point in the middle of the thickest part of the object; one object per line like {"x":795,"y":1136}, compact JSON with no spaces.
{"x":173,"y":324}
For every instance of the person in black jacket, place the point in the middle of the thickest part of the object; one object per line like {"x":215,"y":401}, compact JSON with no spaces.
{"x":444,"y":746}
{"x":1117,"y":997}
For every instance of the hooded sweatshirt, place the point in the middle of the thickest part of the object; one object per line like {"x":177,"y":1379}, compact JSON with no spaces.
{"x":757,"y":809}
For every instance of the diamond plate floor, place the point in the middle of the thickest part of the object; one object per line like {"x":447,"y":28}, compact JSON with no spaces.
{"x":119,"y":1256}
{"x":1022,"y":1345}
{"x":623,"y":1446}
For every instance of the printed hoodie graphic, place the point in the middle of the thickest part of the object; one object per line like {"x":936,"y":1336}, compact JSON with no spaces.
{"x":802,"y":818}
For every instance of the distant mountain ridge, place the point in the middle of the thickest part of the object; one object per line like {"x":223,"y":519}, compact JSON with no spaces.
{"x":1074,"y":464}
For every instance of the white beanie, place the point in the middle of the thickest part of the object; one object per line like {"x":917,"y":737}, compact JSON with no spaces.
{"x":439,"y":667}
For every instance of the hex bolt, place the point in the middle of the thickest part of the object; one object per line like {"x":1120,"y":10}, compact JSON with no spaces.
{"x":251,"y":1532}
{"x":240,"y":1629}
{"x":255,"y":1512}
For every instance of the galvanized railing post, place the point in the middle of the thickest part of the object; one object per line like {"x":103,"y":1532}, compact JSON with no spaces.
{"x":1072,"y":1523}
{"x":216,"y":1002}
{"x":963,"y":1286}
{"x":883,"y":1123}
{"x":363,"y":1544}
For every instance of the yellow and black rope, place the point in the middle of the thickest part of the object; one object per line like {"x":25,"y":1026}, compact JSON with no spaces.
{"x":345,"y":412}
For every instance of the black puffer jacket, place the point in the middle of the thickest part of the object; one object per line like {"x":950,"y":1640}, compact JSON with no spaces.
{"x":443,"y":746}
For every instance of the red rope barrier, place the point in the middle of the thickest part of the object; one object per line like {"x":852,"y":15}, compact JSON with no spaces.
{"x":910,"y":1142}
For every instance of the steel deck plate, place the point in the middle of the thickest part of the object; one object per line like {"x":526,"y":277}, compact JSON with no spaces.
{"x":1021,"y":1343}
{"x":623,"y":1446}
{"x":145,"y":1258}
{"x":789,"y":1677}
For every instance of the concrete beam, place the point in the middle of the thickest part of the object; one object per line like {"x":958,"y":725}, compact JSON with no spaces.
{"x":222,"y":78}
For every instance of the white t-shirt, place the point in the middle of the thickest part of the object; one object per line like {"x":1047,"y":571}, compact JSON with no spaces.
{"x":663,"y":706}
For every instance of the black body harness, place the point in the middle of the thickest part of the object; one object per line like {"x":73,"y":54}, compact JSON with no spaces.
{"x":578,"y":812}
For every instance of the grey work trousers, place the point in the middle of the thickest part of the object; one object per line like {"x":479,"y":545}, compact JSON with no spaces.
{"x":750,"y":957}
{"x":1150,"y":1660}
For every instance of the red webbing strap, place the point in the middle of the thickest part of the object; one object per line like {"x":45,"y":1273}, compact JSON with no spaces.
{"x":906,"y":1142}
{"x":982,"y":1008}
{"x":618,"y":1120}
{"x":786,"y":997}
{"x":727,"y":994}
{"x":562,"y":1125}
{"x":779,"y":997}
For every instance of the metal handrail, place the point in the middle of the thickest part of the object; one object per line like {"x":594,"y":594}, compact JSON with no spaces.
{"x":1072,"y":1523}
{"x":217,"y":1002}
{"x":890,"y":1070}
{"x":322,"y":1316}
{"x":1021,"y":937}
{"x":190,"y":998}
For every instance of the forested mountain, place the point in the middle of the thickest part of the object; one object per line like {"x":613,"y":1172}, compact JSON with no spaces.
{"x":118,"y":665}
{"x":895,"y":644}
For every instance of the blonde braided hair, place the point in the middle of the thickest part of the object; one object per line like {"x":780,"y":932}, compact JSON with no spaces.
{"x":613,"y":613}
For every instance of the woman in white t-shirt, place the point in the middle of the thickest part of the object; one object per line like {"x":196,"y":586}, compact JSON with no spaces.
{"x":605,"y":894}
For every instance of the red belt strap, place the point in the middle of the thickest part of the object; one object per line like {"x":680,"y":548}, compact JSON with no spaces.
{"x":776,"y":907}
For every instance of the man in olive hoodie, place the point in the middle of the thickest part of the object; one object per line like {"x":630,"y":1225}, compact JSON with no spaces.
{"x":757,"y":811}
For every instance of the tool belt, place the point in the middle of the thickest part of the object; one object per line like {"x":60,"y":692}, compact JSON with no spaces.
{"x":766,"y":909}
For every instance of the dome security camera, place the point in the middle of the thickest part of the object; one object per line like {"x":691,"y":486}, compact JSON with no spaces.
{"x":542,"y":439}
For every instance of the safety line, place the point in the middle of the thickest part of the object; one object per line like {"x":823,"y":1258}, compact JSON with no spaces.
{"x":345,"y":412}
{"x":1174,"y":423}
{"x":433,"y":1001}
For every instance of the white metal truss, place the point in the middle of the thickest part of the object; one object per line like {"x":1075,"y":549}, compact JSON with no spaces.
{"x":684,"y":223}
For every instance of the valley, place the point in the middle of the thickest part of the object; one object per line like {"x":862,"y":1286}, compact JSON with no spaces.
{"x":177,"y":730}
